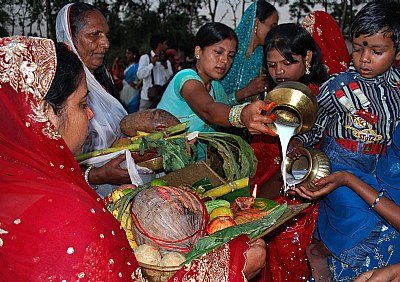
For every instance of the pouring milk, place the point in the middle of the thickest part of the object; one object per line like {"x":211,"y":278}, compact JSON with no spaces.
{"x":285,"y":133}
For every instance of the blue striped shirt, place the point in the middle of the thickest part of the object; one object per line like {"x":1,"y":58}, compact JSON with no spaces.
{"x":382,"y":102}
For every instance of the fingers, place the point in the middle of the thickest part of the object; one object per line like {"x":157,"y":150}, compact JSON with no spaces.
{"x":269,"y":107}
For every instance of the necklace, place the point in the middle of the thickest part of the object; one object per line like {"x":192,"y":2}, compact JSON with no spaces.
{"x":213,"y":95}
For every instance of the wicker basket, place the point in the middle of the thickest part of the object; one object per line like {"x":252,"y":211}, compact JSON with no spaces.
{"x":155,"y":273}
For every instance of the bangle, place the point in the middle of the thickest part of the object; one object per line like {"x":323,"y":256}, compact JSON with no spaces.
{"x":234,"y":115}
{"x":378,"y":198}
{"x":86,"y":174}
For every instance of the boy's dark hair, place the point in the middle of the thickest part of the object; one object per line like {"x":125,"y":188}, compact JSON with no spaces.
{"x":155,"y":39}
{"x":376,"y":16}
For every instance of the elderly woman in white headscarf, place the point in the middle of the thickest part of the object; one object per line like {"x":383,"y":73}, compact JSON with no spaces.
{"x":84,"y":29}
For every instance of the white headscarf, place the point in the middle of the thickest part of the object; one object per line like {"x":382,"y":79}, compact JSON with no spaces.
{"x":104,"y":128}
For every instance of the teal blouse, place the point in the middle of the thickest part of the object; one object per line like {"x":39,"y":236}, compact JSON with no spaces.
{"x":173,"y":102}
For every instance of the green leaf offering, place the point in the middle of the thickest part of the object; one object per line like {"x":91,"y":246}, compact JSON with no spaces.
{"x":251,"y":229}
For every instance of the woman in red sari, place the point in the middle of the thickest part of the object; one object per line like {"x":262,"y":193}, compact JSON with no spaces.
{"x":53,"y":226}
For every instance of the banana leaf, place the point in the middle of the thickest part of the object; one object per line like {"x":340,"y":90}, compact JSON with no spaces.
{"x":238,"y":155}
{"x":251,"y":229}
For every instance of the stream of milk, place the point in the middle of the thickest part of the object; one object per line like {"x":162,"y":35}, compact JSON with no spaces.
{"x":285,"y":133}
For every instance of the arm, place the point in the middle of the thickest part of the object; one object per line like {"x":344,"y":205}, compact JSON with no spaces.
{"x":204,"y":105}
{"x":385,"y":207}
{"x":387,"y":274}
{"x":255,"y":86}
{"x":109,"y":173}
{"x":145,"y":67}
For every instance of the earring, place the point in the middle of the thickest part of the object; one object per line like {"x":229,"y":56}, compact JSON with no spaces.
{"x":46,"y":109}
{"x":197,"y":56}
{"x":255,"y":28}
{"x":307,"y":71}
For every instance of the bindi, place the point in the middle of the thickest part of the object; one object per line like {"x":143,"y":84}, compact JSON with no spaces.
{"x":365,"y":43}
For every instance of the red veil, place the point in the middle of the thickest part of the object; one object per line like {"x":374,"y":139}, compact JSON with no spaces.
{"x":326,"y":32}
{"x":53,"y":226}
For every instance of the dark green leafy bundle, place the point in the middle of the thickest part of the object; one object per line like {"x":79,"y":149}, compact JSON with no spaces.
{"x":175,"y":152}
{"x":252,"y":229}
{"x":238,"y":155}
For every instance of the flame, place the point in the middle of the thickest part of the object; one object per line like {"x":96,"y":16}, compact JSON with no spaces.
{"x":254,"y":191}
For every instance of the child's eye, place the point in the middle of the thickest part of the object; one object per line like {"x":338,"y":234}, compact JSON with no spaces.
{"x":84,"y":106}
{"x":271,"y":65}
{"x":356,"y":49}
{"x":287,"y":63}
{"x":378,"y":52}
{"x":218,"y":52}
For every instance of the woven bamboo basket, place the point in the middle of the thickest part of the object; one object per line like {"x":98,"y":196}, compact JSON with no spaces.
{"x":155,"y":273}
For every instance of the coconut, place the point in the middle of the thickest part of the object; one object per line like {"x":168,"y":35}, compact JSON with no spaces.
{"x":169,"y":218}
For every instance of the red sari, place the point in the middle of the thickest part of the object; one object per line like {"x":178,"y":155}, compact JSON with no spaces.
{"x":53,"y":226}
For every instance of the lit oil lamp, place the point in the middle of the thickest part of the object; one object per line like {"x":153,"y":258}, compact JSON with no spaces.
{"x":246,"y":203}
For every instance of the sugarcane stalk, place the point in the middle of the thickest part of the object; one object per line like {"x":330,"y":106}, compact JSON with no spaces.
{"x":175,"y":129}
{"x":82,"y":157}
{"x":136,"y":142}
{"x":227,"y":188}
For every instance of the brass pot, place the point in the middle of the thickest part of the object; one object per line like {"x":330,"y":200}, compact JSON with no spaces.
{"x":295,"y":105}
{"x":313,"y":163}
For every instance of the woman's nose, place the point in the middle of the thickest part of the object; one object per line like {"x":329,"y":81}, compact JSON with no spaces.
{"x":224,"y":58}
{"x":279,"y":70}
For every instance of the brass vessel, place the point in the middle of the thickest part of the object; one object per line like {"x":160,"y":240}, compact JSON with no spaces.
{"x":314,"y":162}
{"x":295,"y":105}
{"x":154,"y":164}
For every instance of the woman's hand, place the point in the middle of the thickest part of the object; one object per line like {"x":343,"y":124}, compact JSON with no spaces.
{"x":110,"y":173}
{"x":327,"y":184}
{"x":385,"y":274}
{"x":253,"y":118}
{"x":256,"y":257}
{"x":254,"y":87}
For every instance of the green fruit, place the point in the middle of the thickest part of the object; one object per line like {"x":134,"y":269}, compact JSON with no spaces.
{"x":210,"y":205}
{"x":221,"y":211}
{"x":158,"y":182}
{"x":127,"y":191}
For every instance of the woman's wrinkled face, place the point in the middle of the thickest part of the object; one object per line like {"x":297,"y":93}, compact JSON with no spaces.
{"x":282,"y":70}
{"x":265,"y":26}
{"x":373,"y":55}
{"x":215,"y":60}
{"x":92,"y":42}
{"x":72,"y":121}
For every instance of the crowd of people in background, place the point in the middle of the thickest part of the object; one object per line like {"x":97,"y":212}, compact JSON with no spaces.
{"x":351,"y":227}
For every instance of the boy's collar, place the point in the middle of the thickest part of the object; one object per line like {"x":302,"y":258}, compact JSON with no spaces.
{"x":391,"y":76}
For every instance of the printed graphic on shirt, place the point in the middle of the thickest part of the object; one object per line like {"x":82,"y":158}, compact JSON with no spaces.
{"x":362,"y":129}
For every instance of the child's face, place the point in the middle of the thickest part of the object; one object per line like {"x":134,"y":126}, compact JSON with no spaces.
{"x":282,"y":70}
{"x":373,"y":55}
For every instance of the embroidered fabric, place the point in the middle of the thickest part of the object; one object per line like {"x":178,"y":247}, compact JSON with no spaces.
{"x":53,"y":226}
